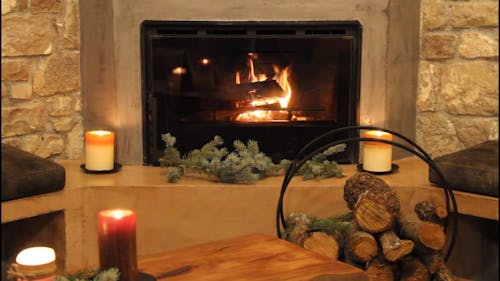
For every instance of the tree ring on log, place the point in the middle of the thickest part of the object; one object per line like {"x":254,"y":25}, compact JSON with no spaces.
{"x":373,"y":217}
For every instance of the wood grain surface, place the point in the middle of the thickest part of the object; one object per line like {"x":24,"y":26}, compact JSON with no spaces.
{"x":249,"y":257}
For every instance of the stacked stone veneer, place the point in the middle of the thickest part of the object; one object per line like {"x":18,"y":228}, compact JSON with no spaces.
{"x":41,"y":108}
{"x":457,"y":104}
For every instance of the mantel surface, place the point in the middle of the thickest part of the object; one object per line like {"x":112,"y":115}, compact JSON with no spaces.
{"x":410,"y":182}
{"x":195,"y":210}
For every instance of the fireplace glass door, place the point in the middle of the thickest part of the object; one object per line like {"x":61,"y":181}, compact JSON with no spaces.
{"x":279,"y":83}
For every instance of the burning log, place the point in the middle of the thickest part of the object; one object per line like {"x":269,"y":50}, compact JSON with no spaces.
{"x":244,"y":94}
{"x":428,"y":211}
{"x":429,"y":234}
{"x":361,"y":246}
{"x":380,"y":270}
{"x":393,"y":247}
{"x":412,"y":269}
{"x":324,"y":244}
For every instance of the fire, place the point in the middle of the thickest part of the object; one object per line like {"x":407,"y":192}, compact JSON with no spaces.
{"x":281,"y":76}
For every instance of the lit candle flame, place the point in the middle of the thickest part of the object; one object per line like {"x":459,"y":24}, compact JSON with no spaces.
{"x":36,"y":256}
{"x":205,"y":61}
{"x":179,"y":70}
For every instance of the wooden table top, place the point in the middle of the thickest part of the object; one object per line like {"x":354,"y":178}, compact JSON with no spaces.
{"x":250,"y":257}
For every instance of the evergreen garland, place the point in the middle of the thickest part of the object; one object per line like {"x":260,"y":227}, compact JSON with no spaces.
{"x":111,"y":274}
{"x":245,"y":164}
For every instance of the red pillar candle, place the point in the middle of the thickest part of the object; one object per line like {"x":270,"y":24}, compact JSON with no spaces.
{"x":117,"y":242}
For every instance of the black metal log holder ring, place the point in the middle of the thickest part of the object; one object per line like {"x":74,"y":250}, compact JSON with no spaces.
{"x":451,"y":222}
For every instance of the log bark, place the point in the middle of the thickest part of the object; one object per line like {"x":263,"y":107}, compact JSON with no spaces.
{"x":379,"y":270}
{"x":323,"y":244}
{"x":412,"y":269}
{"x":429,"y":234}
{"x":429,"y":211}
{"x":431,"y":258}
{"x":360,"y":183}
{"x":361,"y":246}
{"x":372,"y":216}
{"x":444,"y":274}
{"x":297,"y":227}
{"x":393,"y":247}
{"x":297,"y":234}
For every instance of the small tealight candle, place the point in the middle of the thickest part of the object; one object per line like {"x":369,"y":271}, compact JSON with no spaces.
{"x":377,"y":156}
{"x":117,"y":242}
{"x":36,"y":264}
{"x":99,"y":150}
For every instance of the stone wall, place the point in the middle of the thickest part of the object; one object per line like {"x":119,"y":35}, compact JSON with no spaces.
{"x":457,"y":102}
{"x":41,"y":104}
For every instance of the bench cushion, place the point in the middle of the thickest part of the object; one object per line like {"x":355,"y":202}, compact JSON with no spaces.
{"x":474,"y":169}
{"x":25,"y":174}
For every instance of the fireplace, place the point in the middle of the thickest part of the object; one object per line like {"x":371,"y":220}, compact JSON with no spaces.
{"x":279,"y":83}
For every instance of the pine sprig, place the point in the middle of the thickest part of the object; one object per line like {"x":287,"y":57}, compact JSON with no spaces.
{"x":332,"y":224}
{"x":320,"y":166}
{"x":245,"y":164}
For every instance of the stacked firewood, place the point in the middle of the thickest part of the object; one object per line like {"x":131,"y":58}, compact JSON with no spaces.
{"x":376,"y":236}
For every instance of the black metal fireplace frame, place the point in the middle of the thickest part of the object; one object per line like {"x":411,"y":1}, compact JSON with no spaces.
{"x":154,"y":29}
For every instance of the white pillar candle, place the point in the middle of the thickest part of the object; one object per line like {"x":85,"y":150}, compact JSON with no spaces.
{"x":377,"y":156}
{"x":99,"y":150}
{"x":37,"y":263}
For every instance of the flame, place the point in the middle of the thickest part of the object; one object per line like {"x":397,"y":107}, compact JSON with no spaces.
{"x":281,"y":76}
{"x":237,"y":79}
{"x":251,"y":75}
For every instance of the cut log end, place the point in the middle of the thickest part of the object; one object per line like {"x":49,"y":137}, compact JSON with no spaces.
{"x":372,"y":216}
{"x":323,"y":244}
{"x":393,"y":247}
{"x":432,"y":235}
{"x":362,"y":246}
{"x":441,"y":212}
{"x":379,"y":270}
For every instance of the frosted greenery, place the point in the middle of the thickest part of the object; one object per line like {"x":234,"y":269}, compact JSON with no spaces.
{"x":244,"y":164}
{"x":340,"y":223}
{"x":111,"y":274}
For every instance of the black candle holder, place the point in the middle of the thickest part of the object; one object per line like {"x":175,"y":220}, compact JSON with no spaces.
{"x":116,"y":168}
{"x":394,"y":168}
{"x":311,"y":149}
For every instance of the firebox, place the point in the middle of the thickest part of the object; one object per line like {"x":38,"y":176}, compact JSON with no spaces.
{"x":279,"y":83}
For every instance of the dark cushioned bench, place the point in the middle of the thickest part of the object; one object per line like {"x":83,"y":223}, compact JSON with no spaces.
{"x":25,"y":174}
{"x":474,"y":169}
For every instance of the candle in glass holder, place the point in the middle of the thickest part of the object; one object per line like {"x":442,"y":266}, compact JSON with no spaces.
{"x":99,"y":150}
{"x":36,"y":264}
{"x":377,"y":156}
{"x":117,"y":242}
